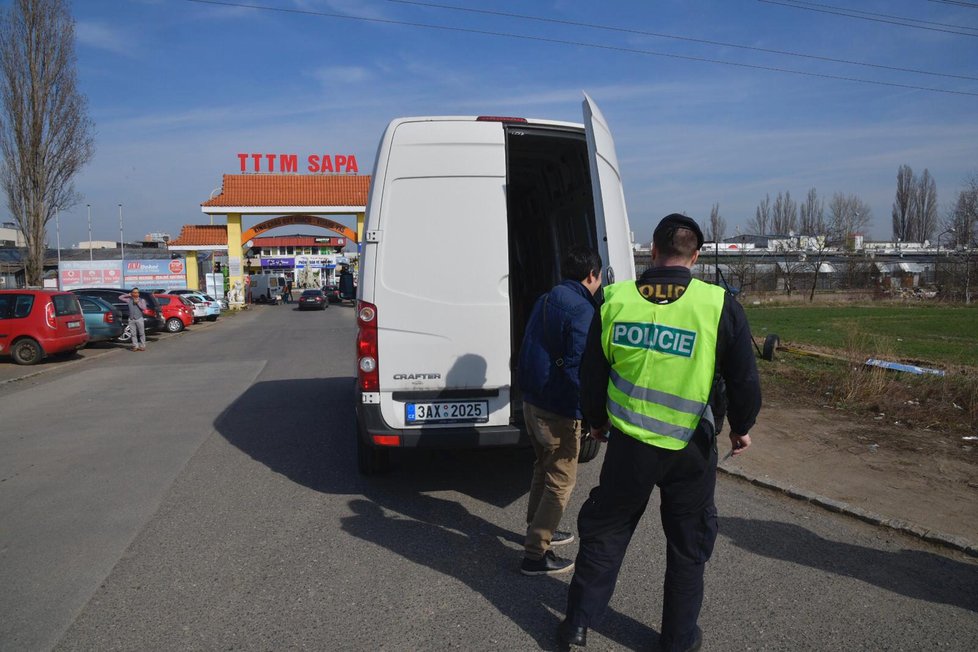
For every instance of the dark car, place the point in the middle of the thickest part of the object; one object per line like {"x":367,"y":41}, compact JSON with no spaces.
{"x":38,"y":323}
{"x":102,"y":321}
{"x":332,"y":293}
{"x":312,"y":300}
{"x":153,"y":317}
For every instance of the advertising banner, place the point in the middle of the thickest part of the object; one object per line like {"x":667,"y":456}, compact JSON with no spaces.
{"x":156,"y":273}
{"x":278,"y":263}
{"x":90,"y":274}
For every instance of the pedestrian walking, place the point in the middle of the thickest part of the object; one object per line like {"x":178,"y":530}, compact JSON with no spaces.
{"x":667,"y":357}
{"x":137,"y":326}
{"x":548,"y":375}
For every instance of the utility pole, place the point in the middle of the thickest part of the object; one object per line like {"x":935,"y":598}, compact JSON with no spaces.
{"x":89,"y":232}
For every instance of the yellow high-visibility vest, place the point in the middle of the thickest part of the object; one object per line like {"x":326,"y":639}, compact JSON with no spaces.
{"x":662,"y":357}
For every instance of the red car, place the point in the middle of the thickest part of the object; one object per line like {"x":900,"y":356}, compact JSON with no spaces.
{"x":178,"y":313}
{"x":38,"y":323}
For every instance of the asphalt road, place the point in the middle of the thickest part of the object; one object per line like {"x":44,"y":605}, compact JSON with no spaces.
{"x":203,"y":495}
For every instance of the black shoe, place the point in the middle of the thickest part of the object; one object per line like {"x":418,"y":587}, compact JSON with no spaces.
{"x":568,"y":634}
{"x":693,"y":647}
{"x":560,"y":537}
{"x":549,"y":564}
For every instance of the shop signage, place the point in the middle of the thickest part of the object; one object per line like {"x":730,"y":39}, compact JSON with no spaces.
{"x":278,"y":263}
{"x":315,"y":163}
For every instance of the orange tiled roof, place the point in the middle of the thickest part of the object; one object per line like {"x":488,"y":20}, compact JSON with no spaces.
{"x":292,"y":190}
{"x":202,"y":235}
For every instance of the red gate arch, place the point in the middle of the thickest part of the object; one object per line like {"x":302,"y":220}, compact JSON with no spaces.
{"x":310,"y":220}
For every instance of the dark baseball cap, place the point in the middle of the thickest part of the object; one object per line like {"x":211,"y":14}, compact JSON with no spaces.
{"x":675,"y":221}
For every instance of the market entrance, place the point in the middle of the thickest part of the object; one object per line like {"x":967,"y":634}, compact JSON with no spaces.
{"x":292,"y":198}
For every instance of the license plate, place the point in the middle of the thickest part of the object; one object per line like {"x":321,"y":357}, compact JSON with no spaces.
{"x":447,"y":412}
{"x":74,"y":324}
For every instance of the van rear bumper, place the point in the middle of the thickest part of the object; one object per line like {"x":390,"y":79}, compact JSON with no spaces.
{"x":370,"y":422}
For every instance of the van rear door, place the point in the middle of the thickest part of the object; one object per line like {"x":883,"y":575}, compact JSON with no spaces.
{"x":611,"y":217}
{"x":441,"y":277}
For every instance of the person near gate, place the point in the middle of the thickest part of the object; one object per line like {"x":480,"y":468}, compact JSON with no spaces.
{"x":137,"y":326}
{"x":548,"y":375}
{"x":667,"y":358}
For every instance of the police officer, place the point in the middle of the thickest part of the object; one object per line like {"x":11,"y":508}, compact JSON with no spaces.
{"x":667,"y":357}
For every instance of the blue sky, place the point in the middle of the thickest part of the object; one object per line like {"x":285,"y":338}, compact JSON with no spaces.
{"x":177,"y":89}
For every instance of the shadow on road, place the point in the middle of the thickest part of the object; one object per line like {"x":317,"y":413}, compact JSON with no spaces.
{"x":913,"y":573}
{"x":304,"y":429}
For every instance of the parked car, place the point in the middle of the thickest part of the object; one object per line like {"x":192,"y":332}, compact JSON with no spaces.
{"x":39,"y":323}
{"x":212,"y":306}
{"x":198,"y":305}
{"x":153,"y":318}
{"x":312,"y":300}
{"x":178,"y":312}
{"x":332,"y":293}
{"x":222,"y":302}
{"x":102,"y":321}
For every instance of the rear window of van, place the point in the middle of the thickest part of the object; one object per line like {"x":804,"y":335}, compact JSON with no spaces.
{"x":15,"y":306}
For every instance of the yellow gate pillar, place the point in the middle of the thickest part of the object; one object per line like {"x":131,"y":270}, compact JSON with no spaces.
{"x":360,"y":219}
{"x":193,"y":273}
{"x":235,"y":272}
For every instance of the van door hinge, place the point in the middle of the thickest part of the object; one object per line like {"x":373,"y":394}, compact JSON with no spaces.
{"x":373,"y":236}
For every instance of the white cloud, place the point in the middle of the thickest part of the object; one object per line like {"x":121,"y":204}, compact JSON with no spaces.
{"x":103,"y":37}
{"x":332,"y":75}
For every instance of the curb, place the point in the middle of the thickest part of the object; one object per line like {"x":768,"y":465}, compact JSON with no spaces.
{"x":899,"y":525}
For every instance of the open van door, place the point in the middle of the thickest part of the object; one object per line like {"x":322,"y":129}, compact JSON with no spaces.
{"x":611,"y":217}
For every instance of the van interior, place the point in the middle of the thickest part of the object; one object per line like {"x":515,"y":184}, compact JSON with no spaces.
{"x":549,"y":209}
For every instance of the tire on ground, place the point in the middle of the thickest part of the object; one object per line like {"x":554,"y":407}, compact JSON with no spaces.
{"x":771,"y":343}
{"x":589,"y":450}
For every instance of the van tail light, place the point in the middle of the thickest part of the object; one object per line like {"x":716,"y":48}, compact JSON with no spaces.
{"x":108,"y":318}
{"x":499,"y":118}
{"x":368,"y":375}
{"x":49,"y":315}
{"x":149,"y":312}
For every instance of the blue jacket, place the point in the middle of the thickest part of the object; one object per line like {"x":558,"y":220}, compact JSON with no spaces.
{"x":553,"y":344}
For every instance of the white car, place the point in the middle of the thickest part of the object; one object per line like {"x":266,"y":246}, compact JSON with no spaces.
{"x":435,"y":357}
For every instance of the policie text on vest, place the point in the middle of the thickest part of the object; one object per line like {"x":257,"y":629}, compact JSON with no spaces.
{"x":655,"y":337}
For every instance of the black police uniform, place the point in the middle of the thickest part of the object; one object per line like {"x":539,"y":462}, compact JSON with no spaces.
{"x":686,"y":478}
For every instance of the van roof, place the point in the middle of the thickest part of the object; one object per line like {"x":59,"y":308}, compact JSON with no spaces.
{"x":473,"y":118}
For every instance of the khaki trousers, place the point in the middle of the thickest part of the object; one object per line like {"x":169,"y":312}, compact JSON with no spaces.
{"x":556,"y":441}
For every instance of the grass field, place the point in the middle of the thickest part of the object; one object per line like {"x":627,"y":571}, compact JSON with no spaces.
{"x":939,"y":335}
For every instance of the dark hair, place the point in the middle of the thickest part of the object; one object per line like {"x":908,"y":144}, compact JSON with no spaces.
{"x":578,"y":262}
{"x":676,"y":242}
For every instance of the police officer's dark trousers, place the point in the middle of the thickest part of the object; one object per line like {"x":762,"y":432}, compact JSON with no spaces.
{"x":631,"y":470}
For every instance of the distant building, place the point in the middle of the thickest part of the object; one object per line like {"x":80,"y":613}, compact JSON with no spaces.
{"x":157,"y":237}
{"x":96,"y":244}
{"x":11,"y":236}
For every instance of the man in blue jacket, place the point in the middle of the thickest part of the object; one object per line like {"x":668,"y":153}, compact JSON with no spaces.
{"x":548,"y":376}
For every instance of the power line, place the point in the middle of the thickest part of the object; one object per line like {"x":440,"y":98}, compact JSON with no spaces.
{"x":598,"y":46}
{"x":959,"y":3}
{"x":690,"y":39}
{"x":879,"y":18}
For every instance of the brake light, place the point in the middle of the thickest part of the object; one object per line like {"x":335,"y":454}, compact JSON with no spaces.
{"x":387,"y":440}
{"x":108,"y":318}
{"x":49,"y":315}
{"x":499,"y":118}
{"x":367,"y":373}
{"x":149,"y":313}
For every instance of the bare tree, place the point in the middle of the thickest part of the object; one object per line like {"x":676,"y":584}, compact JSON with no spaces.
{"x":784,"y":216}
{"x":848,"y":215}
{"x":717,"y":227}
{"x":45,"y":132}
{"x":762,"y":217}
{"x":903,"y":204}
{"x":963,"y":221}
{"x":925,"y":208}
{"x":812,"y":214}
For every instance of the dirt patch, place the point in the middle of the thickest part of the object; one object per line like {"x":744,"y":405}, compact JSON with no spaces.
{"x":873,"y":462}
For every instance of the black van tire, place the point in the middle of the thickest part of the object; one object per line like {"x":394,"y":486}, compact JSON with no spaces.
{"x":126,"y":335}
{"x":589,"y":450}
{"x":771,"y":343}
{"x":370,"y":460}
{"x":26,"y":351}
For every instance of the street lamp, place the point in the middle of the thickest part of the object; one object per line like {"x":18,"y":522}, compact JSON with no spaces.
{"x":57,"y":228}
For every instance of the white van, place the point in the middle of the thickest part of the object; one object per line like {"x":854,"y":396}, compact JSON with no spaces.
{"x":466,"y":223}
{"x":266,"y":288}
